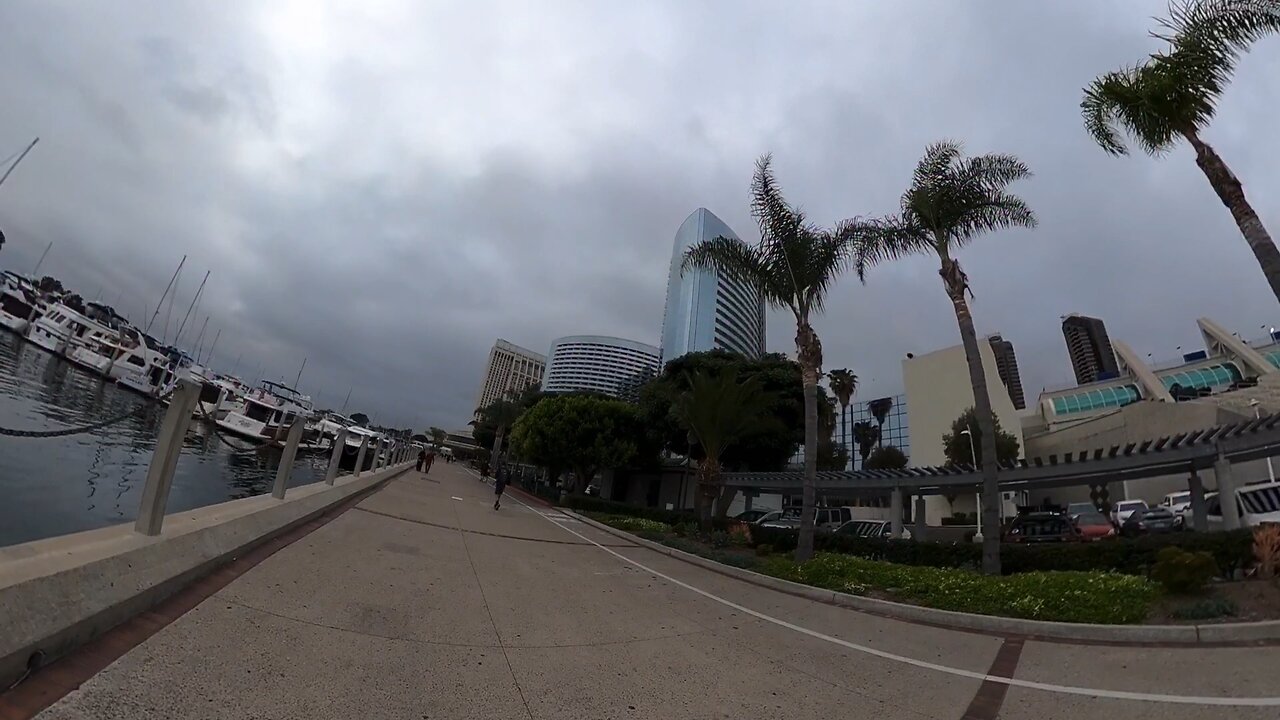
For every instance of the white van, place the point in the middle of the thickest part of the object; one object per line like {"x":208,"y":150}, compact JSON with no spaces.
{"x":1259,"y":503}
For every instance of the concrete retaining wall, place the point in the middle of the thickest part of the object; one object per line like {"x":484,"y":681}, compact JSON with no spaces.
{"x":1117,"y":634}
{"x":58,"y":593}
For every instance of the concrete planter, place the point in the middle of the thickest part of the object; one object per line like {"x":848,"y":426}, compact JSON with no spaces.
{"x":1224,"y":633}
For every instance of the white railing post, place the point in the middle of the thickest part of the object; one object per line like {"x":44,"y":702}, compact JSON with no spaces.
{"x":380,"y":460}
{"x":364,"y":445}
{"x":339,"y":443}
{"x":155,"y":494}
{"x":285,"y":468}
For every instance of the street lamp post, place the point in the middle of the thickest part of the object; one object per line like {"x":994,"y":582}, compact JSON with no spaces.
{"x":1257,"y":413}
{"x":973,"y":454}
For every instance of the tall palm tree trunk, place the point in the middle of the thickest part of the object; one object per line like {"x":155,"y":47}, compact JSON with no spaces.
{"x":956,"y":283}
{"x":1231,"y":192}
{"x":809,"y":353}
{"x":844,"y":434}
{"x":496,"y":453}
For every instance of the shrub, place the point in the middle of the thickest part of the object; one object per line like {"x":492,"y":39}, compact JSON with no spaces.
{"x":1206,"y":609}
{"x":1092,"y":597}
{"x":719,"y":539}
{"x":764,"y":550}
{"x":740,"y":534}
{"x":685,"y":529}
{"x":1183,"y":572}
{"x":587,"y":503}
{"x":635,"y":524}
{"x":1266,"y":548}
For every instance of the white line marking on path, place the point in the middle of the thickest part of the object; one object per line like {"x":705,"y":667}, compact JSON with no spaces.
{"x":455,"y":497}
{"x":1030,"y":684}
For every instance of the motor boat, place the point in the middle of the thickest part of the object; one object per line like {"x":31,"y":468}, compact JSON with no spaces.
{"x":54,"y":326}
{"x":18,"y":304}
{"x":143,"y":365}
{"x":266,"y":412}
{"x":351,"y":449}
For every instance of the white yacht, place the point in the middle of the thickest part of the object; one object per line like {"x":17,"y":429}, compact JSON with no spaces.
{"x":54,"y":328}
{"x":143,"y":365}
{"x":17,"y":303}
{"x":266,"y":412}
{"x":351,"y":449}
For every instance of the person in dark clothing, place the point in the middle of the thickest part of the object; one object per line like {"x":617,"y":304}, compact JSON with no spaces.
{"x":431,"y":458}
{"x":499,"y":484}
{"x":422,"y":459}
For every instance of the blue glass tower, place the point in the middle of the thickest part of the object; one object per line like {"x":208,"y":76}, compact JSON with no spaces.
{"x":704,"y":310}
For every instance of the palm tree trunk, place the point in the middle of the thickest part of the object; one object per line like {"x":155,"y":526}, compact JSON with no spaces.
{"x":1231,"y":192}
{"x":809,"y":353}
{"x":496,"y":453}
{"x":844,"y":434}
{"x":956,"y":283}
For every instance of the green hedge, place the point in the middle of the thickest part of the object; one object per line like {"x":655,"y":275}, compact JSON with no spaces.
{"x":1133,"y":556}
{"x":1092,"y":597}
{"x":587,"y":503}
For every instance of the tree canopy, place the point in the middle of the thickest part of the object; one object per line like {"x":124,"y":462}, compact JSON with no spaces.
{"x":584,"y":433}
{"x":955,"y":444}
{"x":888,"y":457}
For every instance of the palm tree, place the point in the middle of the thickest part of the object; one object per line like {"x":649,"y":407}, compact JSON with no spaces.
{"x":865,"y":435}
{"x":502,"y":414}
{"x":1173,"y":95}
{"x":952,"y":200}
{"x":717,"y":411}
{"x":880,"y":411}
{"x":792,"y":267}
{"x":844,"y":384}
{"x":438,"y":435}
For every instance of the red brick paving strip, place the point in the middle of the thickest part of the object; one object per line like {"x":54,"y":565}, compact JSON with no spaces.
{"x":990,"y":697}
{"x":50,"y":684}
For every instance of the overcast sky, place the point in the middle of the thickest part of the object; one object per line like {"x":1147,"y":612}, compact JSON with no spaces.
{"x":386,"y":188}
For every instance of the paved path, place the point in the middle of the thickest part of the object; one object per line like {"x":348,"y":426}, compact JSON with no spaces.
{"x":423,"y":602}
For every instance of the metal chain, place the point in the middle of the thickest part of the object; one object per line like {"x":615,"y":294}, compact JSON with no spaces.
{"x":12,"y":432}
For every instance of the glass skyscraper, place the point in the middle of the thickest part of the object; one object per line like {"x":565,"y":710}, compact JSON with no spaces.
{"x":704,"y":310}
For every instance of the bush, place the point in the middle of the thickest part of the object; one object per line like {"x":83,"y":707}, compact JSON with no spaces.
{"x":1092,"y":597}
{"x":719,"y":539}
{"x":764,"y":550}
{"x":1183,"y":572}
{"x":1206,"y":609}
{"x":634,"y":524}
{"x":587,"y":503}
{"x":684,"y":529}
{"x":1266,"y":548}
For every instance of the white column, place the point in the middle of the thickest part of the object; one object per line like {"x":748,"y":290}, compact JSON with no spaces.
{"x":895,"y":513}
{"x":1226,"y":492}
{"x":364,"y":446}
{"x":164,"y":460}
{"x":339,"y":443}
{"x":285,"y":469}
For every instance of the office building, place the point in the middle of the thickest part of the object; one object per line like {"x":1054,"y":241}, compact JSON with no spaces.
{"x":1092,"y":356}
{"x":511,"y":370}
{"x":609,"y":365}
{"x":889,"y":416}
{"x":1007,"y":367}
{"x":705,"y":310}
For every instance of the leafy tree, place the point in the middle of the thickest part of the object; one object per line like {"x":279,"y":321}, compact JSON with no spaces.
{"x":1173,"y":95}
{"x":360,"y":419}
{"x":866,"y":436}
{"x":792,"y":266}
{"x":886,"y":457}
{"x":717,"y":411}
{"x":499,"y":416}
{"x":438,"y":435}
{"x":768,"y":444}
{"x":581,"y":432}
{"x":955,"y":444}
{"x":830,"y":456}
{"x":843,"y":384}
{"x":952,"y":200}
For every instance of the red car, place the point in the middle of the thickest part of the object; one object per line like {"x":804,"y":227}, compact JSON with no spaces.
{"x":1094,"y":526}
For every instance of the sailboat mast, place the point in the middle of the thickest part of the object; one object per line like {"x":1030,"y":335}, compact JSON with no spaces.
{"x":8,"y":172}
{"x":344,"y":403}
{"x":299,"y":378}
{"x":167,"y":288}
{"x":194,"y":299}
{"x":213,"y":345}
{"x":200,"y":339}
{"x":36,"y":273}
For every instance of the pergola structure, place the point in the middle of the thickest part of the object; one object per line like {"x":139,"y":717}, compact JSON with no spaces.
{"x":1217,"y":447}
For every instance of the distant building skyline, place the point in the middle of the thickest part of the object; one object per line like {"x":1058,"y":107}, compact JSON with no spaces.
{"x":510,"y":370}
{"x":1007,"y":366}
{"x":703,"y":309}
{"x":597,"y":363}
{"x":1089,"y":346}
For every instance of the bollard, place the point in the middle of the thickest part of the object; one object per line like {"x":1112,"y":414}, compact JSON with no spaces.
{"x":285,"y":468}
{"x":895,"y":513}
{"x":364,"y":445}
{"x":339,"y":443}
{"x":155,"y":494}
{"x":1226,"y":492}
{"x":384,"y":447}
{"x":919,"y":532}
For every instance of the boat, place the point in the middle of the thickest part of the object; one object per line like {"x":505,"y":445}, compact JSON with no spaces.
{"x":265,"y":412}
{"x":17,"y":302}
{"x":58,"y":324}
{"x":351,"y":449}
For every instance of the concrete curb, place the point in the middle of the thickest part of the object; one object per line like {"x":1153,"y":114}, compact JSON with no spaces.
{"x":61,"y":592}
{"x":1224,"y":633}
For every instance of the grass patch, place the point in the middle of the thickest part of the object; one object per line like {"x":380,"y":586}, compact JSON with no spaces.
{"x":630,"y":524}
{"x":1082,"y":597}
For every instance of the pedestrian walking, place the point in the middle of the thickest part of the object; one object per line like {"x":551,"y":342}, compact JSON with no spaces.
{"x":500,"y":484}
{"x":431,"y":457}
{"x":422,"y":459}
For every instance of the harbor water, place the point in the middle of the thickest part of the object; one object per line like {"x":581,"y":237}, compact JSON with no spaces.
{"x":62,"y":485}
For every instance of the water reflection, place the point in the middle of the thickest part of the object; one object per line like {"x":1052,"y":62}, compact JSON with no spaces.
{"x":60,"y":485}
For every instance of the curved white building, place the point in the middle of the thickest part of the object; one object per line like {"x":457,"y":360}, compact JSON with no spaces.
{"x":594,"y":363}
{"x":705,"y":311}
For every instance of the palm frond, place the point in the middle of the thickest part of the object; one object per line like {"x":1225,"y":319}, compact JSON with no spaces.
{"x":993,"y":172}
{"x":1229,"y":25}
{"x":937,"y":160}
{"x":776,"y":218}
{"x":1100,"y":109}
{"x":878,"y":240}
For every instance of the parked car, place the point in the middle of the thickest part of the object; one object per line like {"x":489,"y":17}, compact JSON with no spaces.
{"x":1179,"y":504}
{"x":1093,"y":525}
{"x":1080,"y":508}
{"x":1148,"y":520}
{"x":1258,"y":503}
{"x":769,"y":516}
{"x":826,"y":519}
{"x":1042,"y":527}
{"x":1124,"y":508}
{"x":870,"y":528}
{"x":751,"y":516}
{"x":788,"y":519}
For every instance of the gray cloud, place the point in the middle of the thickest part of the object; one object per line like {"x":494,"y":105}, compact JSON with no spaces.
{"x":386,"y":188}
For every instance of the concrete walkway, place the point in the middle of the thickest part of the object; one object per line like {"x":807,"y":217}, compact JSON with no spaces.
{"x":423,"y":602}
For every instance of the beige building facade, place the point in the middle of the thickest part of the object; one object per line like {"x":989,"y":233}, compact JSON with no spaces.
{"x":511,"y":369}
